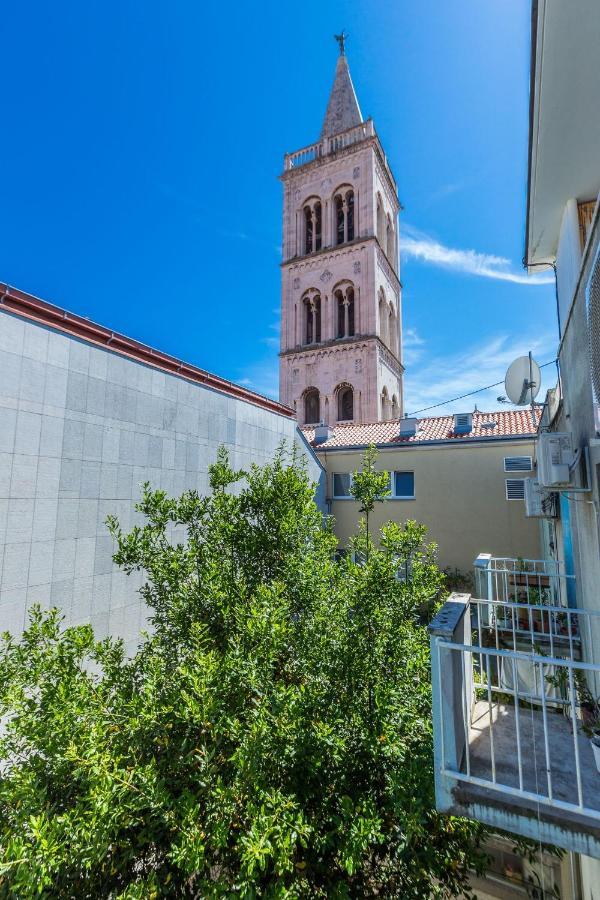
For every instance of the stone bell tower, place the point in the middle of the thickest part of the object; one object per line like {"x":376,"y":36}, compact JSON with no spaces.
{"x":340,"y":358}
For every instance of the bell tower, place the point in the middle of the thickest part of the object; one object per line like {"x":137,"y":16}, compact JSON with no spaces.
{"x":341,"y":347}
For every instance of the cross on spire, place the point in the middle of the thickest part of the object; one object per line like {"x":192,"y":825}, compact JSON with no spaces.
{"x":341,"y":39}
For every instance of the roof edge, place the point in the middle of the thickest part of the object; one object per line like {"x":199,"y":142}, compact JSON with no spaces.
{"x":436,"y":442}
{"x":29,"y":307}
{"x":532,"y":64}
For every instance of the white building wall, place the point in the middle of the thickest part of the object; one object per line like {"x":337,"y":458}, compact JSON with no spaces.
{"x":80,"y":429}
{"x":576,"y":415}
{"x":568,"y":259}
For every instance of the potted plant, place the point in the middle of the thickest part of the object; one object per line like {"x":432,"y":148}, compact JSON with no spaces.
{"x":595,"y":744}
{"x":590,"y":715}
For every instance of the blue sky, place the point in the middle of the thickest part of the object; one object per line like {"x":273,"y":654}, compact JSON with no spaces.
{"x":141,"y":148}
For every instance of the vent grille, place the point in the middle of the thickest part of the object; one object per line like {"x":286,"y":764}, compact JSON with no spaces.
{"x":462,"y":423}
{"x":515,"y":489}
{"x":517,"y":464}
{"x":594,"y":324}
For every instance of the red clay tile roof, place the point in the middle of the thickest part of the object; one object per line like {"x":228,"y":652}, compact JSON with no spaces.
{"x":502,"y":424}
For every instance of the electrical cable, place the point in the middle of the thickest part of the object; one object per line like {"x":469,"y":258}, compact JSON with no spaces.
{"x":471,"y":393}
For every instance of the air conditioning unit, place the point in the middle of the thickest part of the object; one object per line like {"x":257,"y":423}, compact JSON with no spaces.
{"x":539,"y":503}
{"x":555,"y":458}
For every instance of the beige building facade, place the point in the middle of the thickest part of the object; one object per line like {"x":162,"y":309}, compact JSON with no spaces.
{"x":467,"y":489}
{"x":340,"y":358}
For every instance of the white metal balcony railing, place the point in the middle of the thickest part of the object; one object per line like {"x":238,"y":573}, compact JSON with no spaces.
{"x":540,"y":581}
{"x":532,"y":598}
{"x":329,"y":145}
{"x":516,"y":697}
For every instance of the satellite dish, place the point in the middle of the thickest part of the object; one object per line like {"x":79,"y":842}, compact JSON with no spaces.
{"x":523,"y":381}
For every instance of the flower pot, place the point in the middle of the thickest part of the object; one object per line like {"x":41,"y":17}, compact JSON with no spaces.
{"x":595,"y":745}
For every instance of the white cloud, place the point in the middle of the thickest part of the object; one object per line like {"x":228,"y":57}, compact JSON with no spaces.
{"x":413,"y":346}
{"x":411,"y":338}
{"x":263,"y":377}
{"x":272,"y":340}
{"x":417,"y":245}
{"x":454,"y":374}
{"x":263,"y":374}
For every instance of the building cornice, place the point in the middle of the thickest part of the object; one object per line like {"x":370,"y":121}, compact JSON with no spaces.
{"x":29,"y":307}
{"x":423,"y":445}
{"x":339,"y":249}
{"x":356,"y":244}
{"x":532,"y":64}
{"x":383,"y":261}
{"x":333,"y":344}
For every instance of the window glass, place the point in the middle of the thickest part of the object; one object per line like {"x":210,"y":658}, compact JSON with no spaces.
{"x":404,"y":484}
{"x":346,"y":405}
{"x":351,"y":312}
{"x":311,"y":408}
{"x":350,"y":214}
{"x":341,"y":484}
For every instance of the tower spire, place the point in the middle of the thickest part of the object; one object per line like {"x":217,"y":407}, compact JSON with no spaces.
{"x":343,"y":111}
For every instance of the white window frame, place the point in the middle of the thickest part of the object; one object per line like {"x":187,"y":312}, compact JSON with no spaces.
{"x":394,"y":495}
{"x":507,"y":480}
{"x":340,"y":496}
{"x":528,"y":468}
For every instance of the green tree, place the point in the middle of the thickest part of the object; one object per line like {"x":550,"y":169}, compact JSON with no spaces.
{"x":271,"y":738}
{"x":369,"y":487}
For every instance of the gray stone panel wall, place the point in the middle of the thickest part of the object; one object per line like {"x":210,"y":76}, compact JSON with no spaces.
{"x":81,"y":429}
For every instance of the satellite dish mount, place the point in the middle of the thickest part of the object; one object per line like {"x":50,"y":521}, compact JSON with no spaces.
{"x":523,"y":381}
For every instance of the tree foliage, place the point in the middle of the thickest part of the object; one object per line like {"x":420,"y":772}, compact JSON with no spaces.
{"x":271,"y":738}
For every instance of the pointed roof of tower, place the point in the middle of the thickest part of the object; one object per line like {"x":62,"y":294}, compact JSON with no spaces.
{"x":343,"y":111}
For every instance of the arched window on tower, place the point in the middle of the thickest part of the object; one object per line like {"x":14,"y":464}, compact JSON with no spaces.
{"x":393,"y":342}
{"x":350,"y":214}
{"x":395,"y":407}
{"x":312,"y":317}
{"x":312,"y":226}
{"x":344,"y":297}
{"x":385,"y":405}
{"x":383,"y":318}
{"x":312,"y":407}
{"x":380,"y":220}
{"x":343,"y":206}
{"x":308,"y":230}
{"x":390,"y":240}
{"x":345,"y":403}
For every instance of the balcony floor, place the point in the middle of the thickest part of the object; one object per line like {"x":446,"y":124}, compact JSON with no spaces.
{"x":561,"y":752}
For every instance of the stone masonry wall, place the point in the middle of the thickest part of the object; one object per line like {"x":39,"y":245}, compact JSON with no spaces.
{"x":80,"y":429}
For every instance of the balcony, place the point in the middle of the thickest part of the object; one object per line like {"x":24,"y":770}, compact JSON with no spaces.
{"x":329,"y":145}
{"x":515,"y":700}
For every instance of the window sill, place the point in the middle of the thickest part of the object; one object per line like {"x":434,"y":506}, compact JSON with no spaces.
{"x":387,"y":498}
